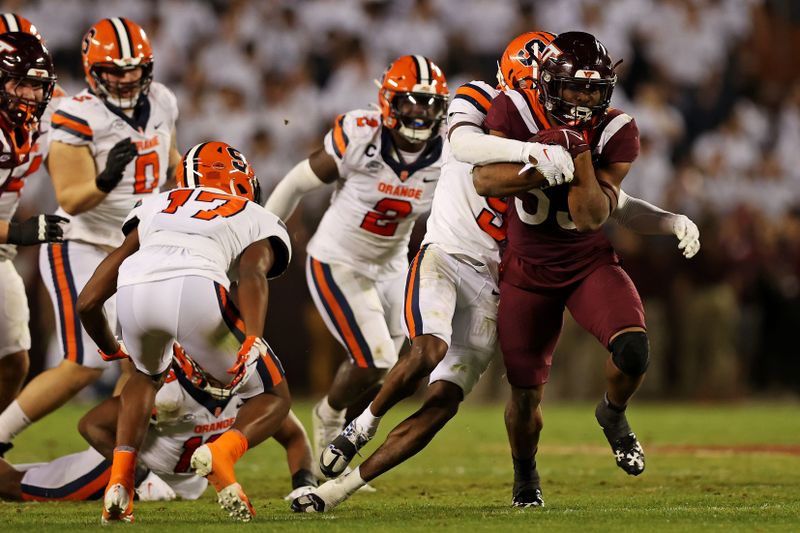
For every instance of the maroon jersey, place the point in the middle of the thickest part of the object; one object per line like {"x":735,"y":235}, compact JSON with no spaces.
{"x":540,"y":230}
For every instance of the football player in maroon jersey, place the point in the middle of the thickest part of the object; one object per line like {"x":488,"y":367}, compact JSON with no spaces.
{"x":557,"y":255}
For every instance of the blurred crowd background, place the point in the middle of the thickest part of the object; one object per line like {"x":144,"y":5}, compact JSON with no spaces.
{"x":713,"y":84}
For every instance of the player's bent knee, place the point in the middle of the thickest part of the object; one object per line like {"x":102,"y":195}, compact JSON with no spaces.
{"x":630,"y":352}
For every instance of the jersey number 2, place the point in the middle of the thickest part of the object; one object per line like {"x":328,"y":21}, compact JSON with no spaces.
{"x":384,"y":219}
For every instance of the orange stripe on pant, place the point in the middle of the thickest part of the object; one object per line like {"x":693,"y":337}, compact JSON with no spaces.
{"x":67,"y":307}
{"x":274,"y":373}
{"x":338,"y":315}
{"x":409,"y":307}
{"x":80,"y":494}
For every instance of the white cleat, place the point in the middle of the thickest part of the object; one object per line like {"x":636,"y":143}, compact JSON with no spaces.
{"x":154,"y":489}
{"x":201,"y":461}
{"x":117,"y":505}
{"x":337,"y":455}
{"x":329,"y":495}
{"x":324,"y":429}
{"x":233,"y":500}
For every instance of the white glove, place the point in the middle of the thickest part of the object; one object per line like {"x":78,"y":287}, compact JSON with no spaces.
{"x":552,"y":161}
{"x":299,"y":491}
{"x":154,"y":489}
{"x":688,"y":235}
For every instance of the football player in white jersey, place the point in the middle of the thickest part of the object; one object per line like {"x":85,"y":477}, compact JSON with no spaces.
{"x":27,"y":83}
{"x":451,"y":294}
{"x":385,"y":165}
{"x":110,"y":145}
{"x":170,"y":275}
{"x":185,"y":417}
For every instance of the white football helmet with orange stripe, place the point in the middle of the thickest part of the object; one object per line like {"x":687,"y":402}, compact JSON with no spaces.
{"x":220,"y":166}
{"x":115,"y":51}
{"x":413,"y":97}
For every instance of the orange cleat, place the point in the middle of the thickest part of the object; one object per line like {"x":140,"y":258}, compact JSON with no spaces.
{"x":216,"y":464}
{"x":117,"y":504}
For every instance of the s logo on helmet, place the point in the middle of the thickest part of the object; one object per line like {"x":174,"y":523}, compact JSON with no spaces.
{"x":527,"y":55}
{"x":87,"y":39}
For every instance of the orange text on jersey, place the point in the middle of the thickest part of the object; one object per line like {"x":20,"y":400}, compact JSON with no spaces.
{"x":149,"y":143}
{"x":400,"y":190}
{"x":222,"y":424}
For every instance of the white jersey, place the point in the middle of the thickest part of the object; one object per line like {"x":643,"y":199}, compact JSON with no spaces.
{"x":85,"y":120}
{"x":462,"y":222}
{"x":198,"y":232}
{"x":186,"y":418}
{"x":11,"y":179}
{"x":378,"y":198}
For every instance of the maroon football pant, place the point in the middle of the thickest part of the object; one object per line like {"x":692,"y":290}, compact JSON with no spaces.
{"x":529,"y":321}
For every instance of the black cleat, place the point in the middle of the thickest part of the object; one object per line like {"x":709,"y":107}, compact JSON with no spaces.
{"x":338,"y":454}
{"x":629,"y":454}
{"x":4,"y":447}
{"x":625,"y":446}
{"x":308,"y":503}
{"x":528,"y":497}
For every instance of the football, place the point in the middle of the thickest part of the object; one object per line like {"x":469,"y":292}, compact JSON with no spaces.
{"x":570,"y":139}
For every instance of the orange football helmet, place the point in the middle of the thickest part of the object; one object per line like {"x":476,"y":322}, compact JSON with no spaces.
{"x":114,"y":47}
{"x":413,"y":97}
{"x":220,"y":166}
{"x":518,"y":67}
{"x":12,"y":22}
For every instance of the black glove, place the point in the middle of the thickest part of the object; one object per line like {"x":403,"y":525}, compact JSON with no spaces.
{"x":119,"y":156}
{"x":35,"y":230}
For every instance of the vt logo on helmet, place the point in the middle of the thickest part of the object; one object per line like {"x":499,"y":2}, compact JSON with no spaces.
{"x":413,"y":97}
{"x":118,"y":61}
{"x":576,"y":79}
{"x":519,"y":65}
{"x":220,"y":166}
{"x":27,"y":77}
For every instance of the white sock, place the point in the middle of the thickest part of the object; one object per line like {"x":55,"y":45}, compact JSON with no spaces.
{"x":13,"y":421}
{"x":368,"y":422}
{"x":326,"y":412}
{"x":337,"y":490}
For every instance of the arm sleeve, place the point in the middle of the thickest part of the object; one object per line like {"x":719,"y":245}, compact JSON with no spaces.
{"x":643,"y":217}
{"x":471,"y":145}
{"x":298,"y":182}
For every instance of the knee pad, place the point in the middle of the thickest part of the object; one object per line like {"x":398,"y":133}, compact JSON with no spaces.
{"x":630,"y":351}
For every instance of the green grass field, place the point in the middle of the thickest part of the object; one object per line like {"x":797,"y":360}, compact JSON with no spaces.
{"x":709,"y":467}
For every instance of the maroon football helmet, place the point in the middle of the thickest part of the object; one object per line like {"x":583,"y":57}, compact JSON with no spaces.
{"x":24,"y":59}
{"x":578,"y":61}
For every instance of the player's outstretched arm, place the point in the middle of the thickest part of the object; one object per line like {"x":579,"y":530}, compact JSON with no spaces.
{"x":294,"y":439}
{"x":647,"y":219}
{"x":309,"y":174}
{"x":100,"y":287}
